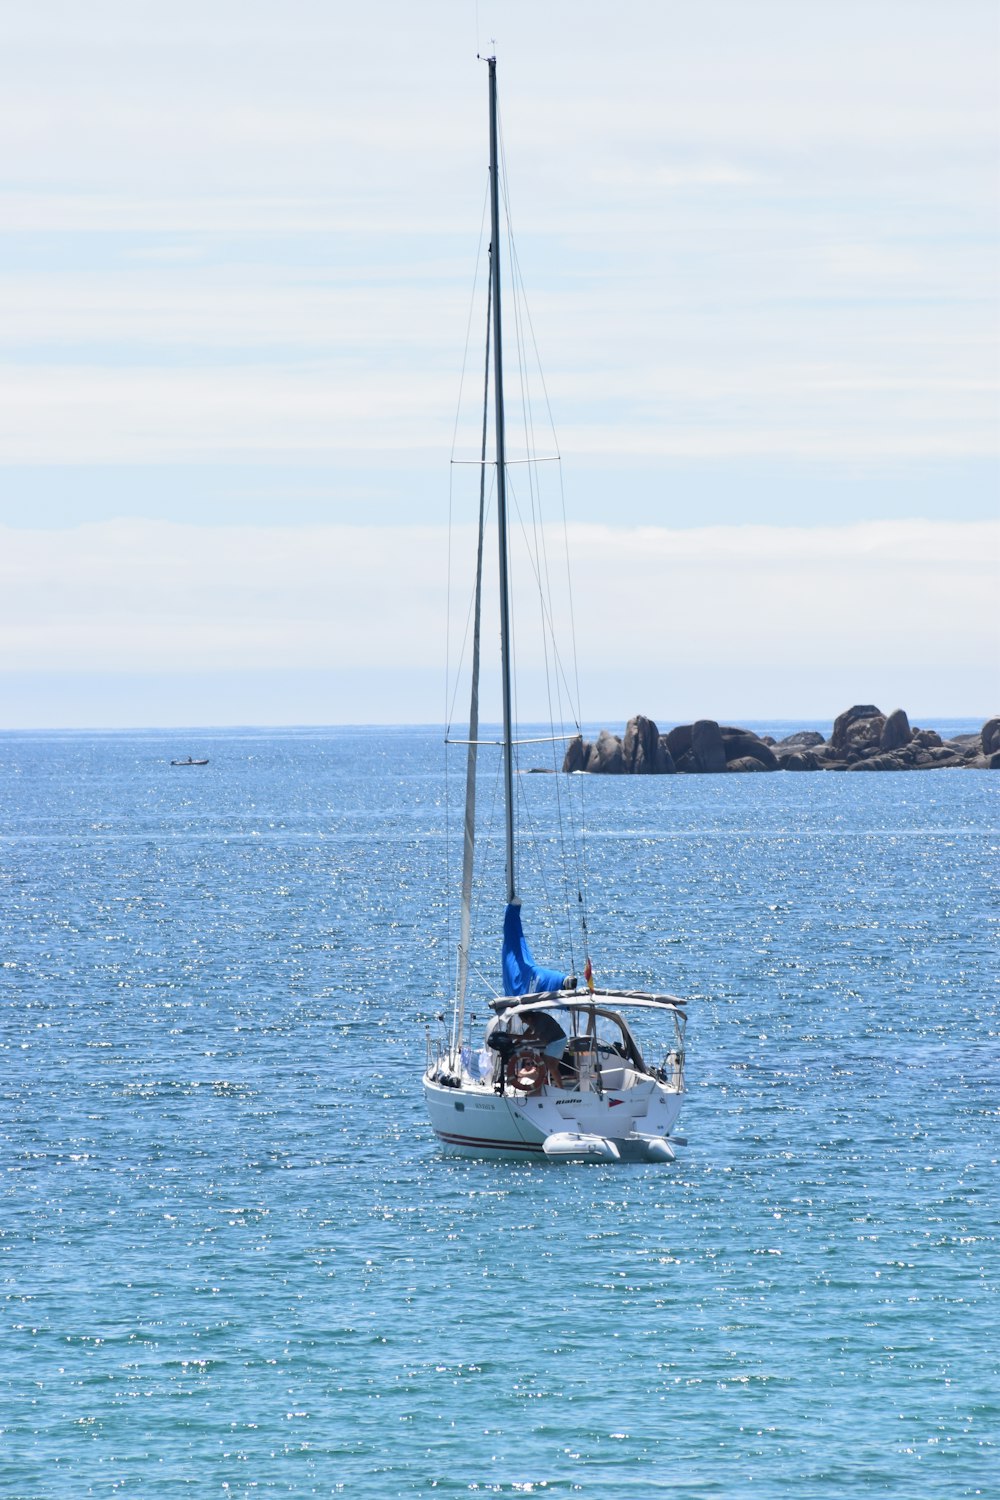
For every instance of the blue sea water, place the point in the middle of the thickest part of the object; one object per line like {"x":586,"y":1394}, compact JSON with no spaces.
{"x":235,"y":1261}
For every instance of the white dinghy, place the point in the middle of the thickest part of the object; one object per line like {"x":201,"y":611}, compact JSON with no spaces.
{"x":559,"y":1074}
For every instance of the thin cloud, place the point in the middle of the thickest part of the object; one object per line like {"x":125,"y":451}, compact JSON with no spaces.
{"x":118,"y":596}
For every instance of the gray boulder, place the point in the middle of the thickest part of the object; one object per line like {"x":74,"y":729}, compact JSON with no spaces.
{"x":640,"y":748}
{"x":850,"y":715}
{"x":745,"y":763}
{"x":577,"y":754}
{"x":664,"y":760}
{"x":828,"y":756}
{"x":800,"y":760}
{"x":991,"y":736}
{"x":970,"y":746}
{"x":605,"y":757}
{"x":738,"y":743}
{"x":945,"y":755}
{"x":707,"y":746}
{"x":678,"y":740}
{"x":889,"y":760}
{"x":858,"y":729}
{"x":896,"y":731}
{"x":802,"y":739}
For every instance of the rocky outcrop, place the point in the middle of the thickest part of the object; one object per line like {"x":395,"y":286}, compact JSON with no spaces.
{"x":863,"y":739}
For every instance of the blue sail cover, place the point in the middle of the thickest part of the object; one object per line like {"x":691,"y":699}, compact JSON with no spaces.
{"x":521,"y":975}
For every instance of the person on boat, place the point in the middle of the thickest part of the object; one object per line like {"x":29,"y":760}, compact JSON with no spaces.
{"x":544,"y":1035}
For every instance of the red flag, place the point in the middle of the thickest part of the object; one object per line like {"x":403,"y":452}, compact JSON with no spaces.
{"x":588,"y":975}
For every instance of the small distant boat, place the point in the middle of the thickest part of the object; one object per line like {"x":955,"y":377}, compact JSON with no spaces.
{"x":190,"y":761}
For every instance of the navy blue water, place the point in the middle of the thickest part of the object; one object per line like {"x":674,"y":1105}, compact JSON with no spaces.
{"x":234,"y":1260}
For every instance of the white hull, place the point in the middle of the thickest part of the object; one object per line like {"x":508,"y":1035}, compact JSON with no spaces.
{"x":636,"y":1120}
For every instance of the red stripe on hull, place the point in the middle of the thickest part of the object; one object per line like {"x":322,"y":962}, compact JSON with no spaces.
{"x":475,"y":1140}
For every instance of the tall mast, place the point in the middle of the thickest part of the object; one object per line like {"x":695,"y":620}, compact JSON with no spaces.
{"x":508,"y":749}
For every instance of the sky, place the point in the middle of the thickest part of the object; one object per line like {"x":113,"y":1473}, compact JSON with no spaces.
{"x":237,"y":246}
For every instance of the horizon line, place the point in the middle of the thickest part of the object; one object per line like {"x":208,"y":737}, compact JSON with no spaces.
{"x":438,"y":724}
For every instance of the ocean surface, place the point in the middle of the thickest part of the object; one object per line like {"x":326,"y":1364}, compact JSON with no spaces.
{"x":234,"y":1260}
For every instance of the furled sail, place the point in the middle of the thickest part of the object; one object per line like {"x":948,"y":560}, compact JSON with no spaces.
{"x":521,"y":975}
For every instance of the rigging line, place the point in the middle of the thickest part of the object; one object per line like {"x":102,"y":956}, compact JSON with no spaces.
{"x":444,"y":748}
{"x":508,"y":616}
{"x":488,"y":840}
{"x":577,"y":827}
{"x":569,"y":582}
{"x":447,"y":720}
{"x":553,"y":666}
{"x":548,"y":635}
{"x":456,"y":683}
{"x":488,"y":983}
{"x":540,"y":547}
{"x":519,"y":298}
{"x":569,"y":845}
{"x":554,"y":672}
{"x":579,"y":824}
{"x":537,"y":548}
{"x":523,"y":310}
{"x":472,"y":751}
{"x":550,"y":623}
{"x":542,"y":861}
{"x":468,"y":325}
{"x":447,"y":606}
{"x":577,"y":840}
{"x":577,"y":815}
{"x":534,"y":345}
{"x":549,"y":879}
{"x":572,"y":689}
{"x":449,"y":709}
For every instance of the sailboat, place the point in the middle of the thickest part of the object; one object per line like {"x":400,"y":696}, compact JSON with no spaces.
{"x":560,"y":1073}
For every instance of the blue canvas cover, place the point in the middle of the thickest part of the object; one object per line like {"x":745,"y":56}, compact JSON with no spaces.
{"x":521,"y":975}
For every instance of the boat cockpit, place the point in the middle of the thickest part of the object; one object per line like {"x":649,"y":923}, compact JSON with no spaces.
{"x":576,"y":1045}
